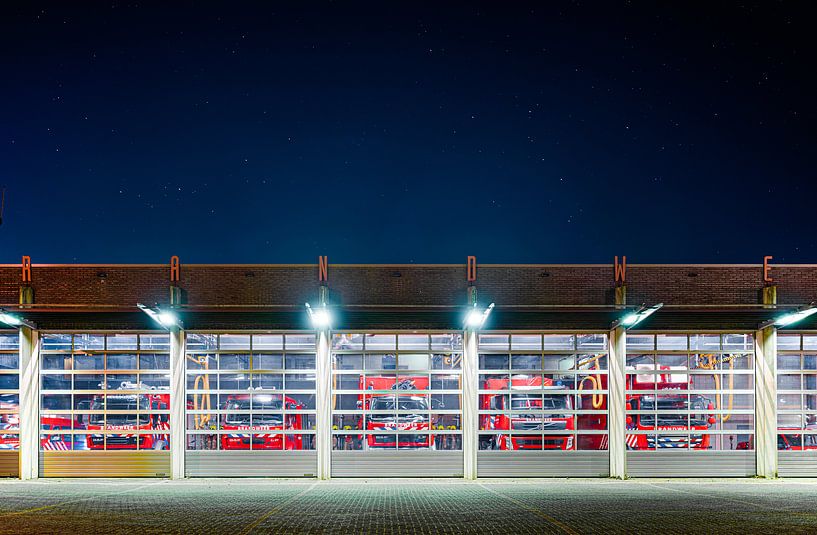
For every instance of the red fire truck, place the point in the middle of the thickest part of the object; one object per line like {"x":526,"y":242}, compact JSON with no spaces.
{"x":9,"y":422}
{"x":52,"y":442}
{"x":399,"y":398}
{"x":531,"y":399}
{"x":140,"y":417}
{"x":672,"y":430}
{"x":789,"y":439}
{"x":264,"y":429}
{"x":542,"y":405}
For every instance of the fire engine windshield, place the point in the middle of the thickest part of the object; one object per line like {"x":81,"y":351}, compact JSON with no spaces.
{"x":522,"y":403}
{"x":259,"y":403}
{"x":403,"y":404}
{"x":121,"y":403}
{"x":674,"y":403}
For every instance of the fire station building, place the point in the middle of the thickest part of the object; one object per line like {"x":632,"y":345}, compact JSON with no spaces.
{"x":323,"y":370}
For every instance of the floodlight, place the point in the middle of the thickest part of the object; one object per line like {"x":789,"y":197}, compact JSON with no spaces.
{"x":475,"y":318}
{"x":10,"y":320}
{"x":634,"y":318}
{"x":319,"y":317}
{"x":794,"y":317}
{"x":13,"y":320}
{"x":165,"y":318}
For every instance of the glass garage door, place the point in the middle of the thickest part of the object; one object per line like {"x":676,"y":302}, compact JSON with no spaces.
{"x":797,"y":405}
{"x":542,"y":405}
{"x":104,"y":405}
{"x":397,"y":405}
{"x":690,"y":405}
{"x":250,"y":405}
{"x":9,"y":404}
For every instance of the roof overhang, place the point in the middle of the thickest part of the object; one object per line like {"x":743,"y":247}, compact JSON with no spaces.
{"x":445,"y":318}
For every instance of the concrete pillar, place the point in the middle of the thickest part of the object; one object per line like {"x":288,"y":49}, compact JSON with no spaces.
{"x":178,"y":396}
{"x":323,"y":405}
{"x":616,"y":419}
{"x":29,"y":403}
{"x":621,"y":296}
{"x":470,"y":404}
{"x":766,"y":402}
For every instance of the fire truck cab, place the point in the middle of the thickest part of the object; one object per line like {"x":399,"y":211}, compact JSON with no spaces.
{"x":129,"y":409}
{"x":248,"y":425}
{"x":667,"y":393}
{"x":389,"y":411}
{"x":532,"y":410}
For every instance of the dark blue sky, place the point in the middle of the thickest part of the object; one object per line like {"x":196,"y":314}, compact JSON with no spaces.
{"x":408,"y":132}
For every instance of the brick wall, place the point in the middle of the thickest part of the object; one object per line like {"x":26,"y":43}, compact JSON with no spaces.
{"x":407,"y":284}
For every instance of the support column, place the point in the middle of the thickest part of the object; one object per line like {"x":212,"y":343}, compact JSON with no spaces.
{"x":616,"y":418}
{"x":29,"y":403}
{"x":470,"y":404}
{"x":766,"y":402}
{"x":178,"y":440}
{"x":323,"y":405}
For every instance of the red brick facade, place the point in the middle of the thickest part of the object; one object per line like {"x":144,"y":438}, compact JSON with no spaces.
{"x":209,"y":285}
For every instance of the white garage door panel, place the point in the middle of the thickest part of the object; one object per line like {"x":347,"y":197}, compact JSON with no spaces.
{"x":104,"y":464}
{"x":251,"y":464}
{"x":691,"y":464}
{"x":543,"y":464}
{"x":397,"y":464}
{"x":797,"y":464}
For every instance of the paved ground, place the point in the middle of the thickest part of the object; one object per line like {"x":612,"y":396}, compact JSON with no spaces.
{"x":408,"y":506}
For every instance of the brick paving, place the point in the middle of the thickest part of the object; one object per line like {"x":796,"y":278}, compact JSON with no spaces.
{"x":408,"y":506}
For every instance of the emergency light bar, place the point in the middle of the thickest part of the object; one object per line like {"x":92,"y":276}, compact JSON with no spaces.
{"x":634,"y":318}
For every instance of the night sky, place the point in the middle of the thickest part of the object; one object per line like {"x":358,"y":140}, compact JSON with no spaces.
{"x":558,"y":133}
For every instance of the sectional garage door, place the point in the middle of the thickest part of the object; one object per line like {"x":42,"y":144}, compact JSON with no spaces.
{"x":797,"y":405}
{"x":105,"y":405}
{"x":690,"y":405}
{"x":397,"y":405}
{"x":542,"y":405}
{"x":250,"y":405}
{"x":9,"y":404}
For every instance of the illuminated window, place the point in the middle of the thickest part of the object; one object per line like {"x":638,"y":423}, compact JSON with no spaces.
{"x":104,"y":392}
{"x":250,"y":392}
{"x":690,"y":392}
{"x":9,"y":391}
{"x":796,"y":392}
{"x":396,"y":391}
{"x":542,"y":392}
